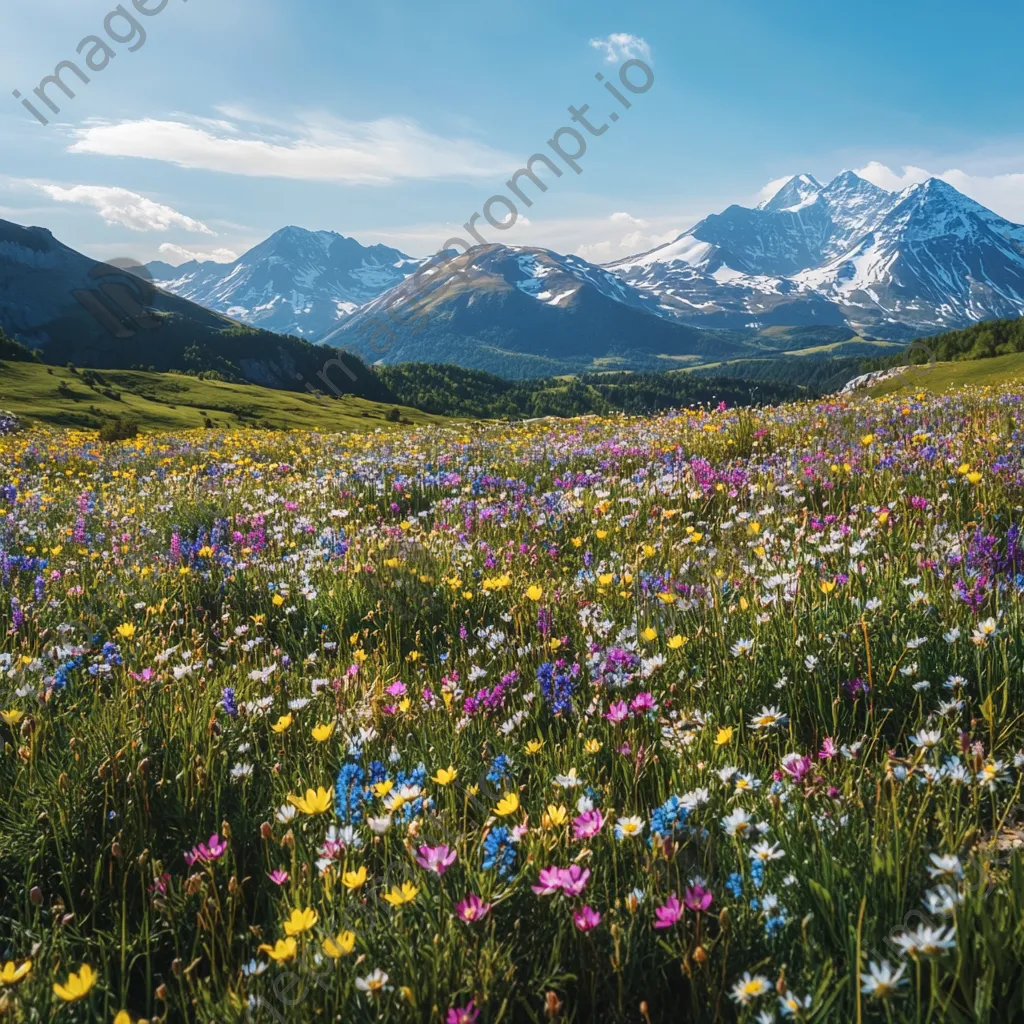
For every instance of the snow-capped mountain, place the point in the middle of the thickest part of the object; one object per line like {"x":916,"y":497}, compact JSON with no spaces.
{"x":522,"y":311}
{"x":846,"y":254}
{"x":937,"y":259}
{"x":296,"y":282}
{"x":888,"y":264}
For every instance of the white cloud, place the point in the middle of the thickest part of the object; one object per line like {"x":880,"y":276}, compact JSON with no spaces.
{"x":627,"y":218}
{"x":620,"y":46}
{"x":596,"y":238}
{"x":882,"y":176}
{"x":188,"y":255}
{"x":315,"y":149}
{"x":607,"y":250}
{"x":126,"y":209}
{"x":1002,"y":193}
{"x":597,"y":252}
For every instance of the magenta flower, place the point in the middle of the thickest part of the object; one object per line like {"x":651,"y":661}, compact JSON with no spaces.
{"x":588,"y":824}
{"x":160,"y":884}
{"x":828,"y":749}
{"x":214,"y":849}
{"x":642,"y":703}
{"x":549,"y":881}
{"x":278,"y":877}
{"x":586,"y":918}
{"x":463,"y":1014}
{"x":697,"y":898}
{"x":573,"y":879}
{"x":667,"y":915}
{"x":618,"y":712}
{"x":796,"y":766}
{"x":436,"y":858}
{"x":472,"y":908}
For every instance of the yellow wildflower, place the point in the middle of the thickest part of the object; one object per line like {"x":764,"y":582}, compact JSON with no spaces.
{"x":341,"y":945}
{"x":316,"y":801}
{"x":11,"y":972}
{"x":354,"y":879}
{"x":78,"y":984}
{"x":300,"y":921}
{"x":397,"y":897}
{"x":507,"y":805}
{"x":322,"y":733}
{"x":282,"y":950}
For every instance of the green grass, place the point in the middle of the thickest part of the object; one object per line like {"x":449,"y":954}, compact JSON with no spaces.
{"x":940,"y":378}
{"x":852,"y":346}
{"x":166,"y":402}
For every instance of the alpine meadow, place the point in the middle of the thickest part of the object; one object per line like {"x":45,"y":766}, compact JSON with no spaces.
{"x":605,"y":609}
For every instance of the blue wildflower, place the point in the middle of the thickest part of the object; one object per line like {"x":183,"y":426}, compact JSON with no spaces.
{"x":757,"y":873}
{"x":501,"y":769}
{"x":228,"y":702}
{"x":498,"y":851}
{"x":669,"y":818}
{"x":349,"y":794}
{"x":557,"y":686}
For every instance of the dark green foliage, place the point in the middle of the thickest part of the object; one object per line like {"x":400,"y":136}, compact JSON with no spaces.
{"x":455,"y":391}
{"x":119,"y":429}
{"x":817,"y":375}
{"x":982,"y":341}
{"x":15,"y":351}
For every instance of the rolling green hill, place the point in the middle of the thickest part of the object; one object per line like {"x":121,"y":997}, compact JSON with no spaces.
{"x":947,"y":376}
{"x":167,"y":401}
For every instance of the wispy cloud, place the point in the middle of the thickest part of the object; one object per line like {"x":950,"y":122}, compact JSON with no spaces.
{"x":124,"y":208}
{"x":317,"y":148}
{"x":620,"y":46}
{"x":172,"y":251}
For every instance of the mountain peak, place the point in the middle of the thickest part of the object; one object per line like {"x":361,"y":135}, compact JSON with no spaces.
{"x":851,"y":181}
{"x":296,"y":281}
{"x":801,"y":190}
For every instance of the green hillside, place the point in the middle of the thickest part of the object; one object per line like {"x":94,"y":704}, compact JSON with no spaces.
{"x":941,"y":377}
{"x":167,"y":401}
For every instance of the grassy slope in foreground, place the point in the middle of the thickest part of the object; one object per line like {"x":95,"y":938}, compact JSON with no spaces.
{"x":166,"y":401}
{"x":942,"y":377}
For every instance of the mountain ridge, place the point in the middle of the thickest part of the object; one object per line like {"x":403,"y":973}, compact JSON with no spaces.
{"x":297,"y":281}
{"x":76,"y":309}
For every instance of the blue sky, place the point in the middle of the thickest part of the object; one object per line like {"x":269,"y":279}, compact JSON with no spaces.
{"x":394,"y":121}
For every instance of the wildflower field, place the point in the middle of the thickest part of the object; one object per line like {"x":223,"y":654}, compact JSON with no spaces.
{"x":716,"y":715}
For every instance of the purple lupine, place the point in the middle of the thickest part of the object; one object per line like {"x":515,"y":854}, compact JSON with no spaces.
{"x":228,"y":702}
